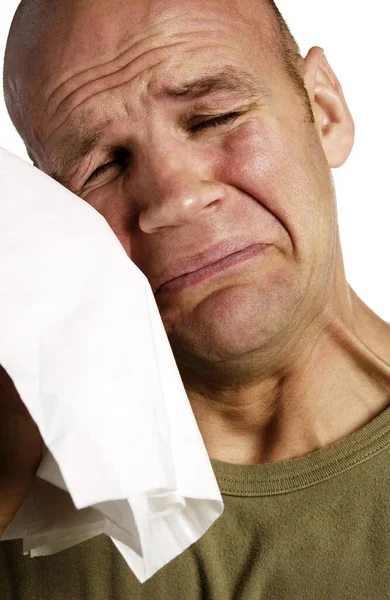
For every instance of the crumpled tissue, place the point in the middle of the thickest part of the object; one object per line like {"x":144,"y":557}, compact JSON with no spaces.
{"x":83,"y":341}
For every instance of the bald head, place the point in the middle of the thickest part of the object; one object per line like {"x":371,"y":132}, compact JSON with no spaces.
{"x":39,"y":37}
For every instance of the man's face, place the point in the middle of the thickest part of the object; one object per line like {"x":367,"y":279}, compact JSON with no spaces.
{"x":187,"y":171}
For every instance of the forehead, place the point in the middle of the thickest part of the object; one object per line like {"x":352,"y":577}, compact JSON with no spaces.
{"x":102,"y":42}
{"x":84,"y":30}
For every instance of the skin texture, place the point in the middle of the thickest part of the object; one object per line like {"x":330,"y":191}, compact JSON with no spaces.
{"x":279,"y":357}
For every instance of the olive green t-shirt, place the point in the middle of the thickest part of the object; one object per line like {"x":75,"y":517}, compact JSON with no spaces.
{"x":311,"y":528}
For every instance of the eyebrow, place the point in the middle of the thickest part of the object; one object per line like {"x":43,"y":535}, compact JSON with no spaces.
{"x":228,"y":79}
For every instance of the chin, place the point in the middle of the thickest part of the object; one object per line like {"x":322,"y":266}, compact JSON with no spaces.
{"x":229,"y":324}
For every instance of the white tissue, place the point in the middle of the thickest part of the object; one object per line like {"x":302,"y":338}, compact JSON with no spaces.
{"x":83,"y":341}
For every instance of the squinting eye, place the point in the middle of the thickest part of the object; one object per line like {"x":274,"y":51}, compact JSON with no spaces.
{"x":101,"y":170}
{"x":215,"y":121}
{"x":121,"y":161}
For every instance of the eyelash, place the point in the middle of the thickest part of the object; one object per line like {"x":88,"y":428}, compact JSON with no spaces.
{"x":213,"y":122}
{"x":104,"y":168}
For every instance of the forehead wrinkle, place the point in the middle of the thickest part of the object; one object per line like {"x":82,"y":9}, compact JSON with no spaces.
{"x":94,"y":93}
{"x":116,"y":66}
{"x":95,"y":71}
{"x":99,"y":85}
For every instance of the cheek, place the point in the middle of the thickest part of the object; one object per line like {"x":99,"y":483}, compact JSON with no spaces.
{"x":258,"y":159}
{"x":279,"y":165}
{"x":282,"y":168}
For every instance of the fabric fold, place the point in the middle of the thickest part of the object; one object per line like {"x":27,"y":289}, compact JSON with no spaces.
{"x":83,"y":341}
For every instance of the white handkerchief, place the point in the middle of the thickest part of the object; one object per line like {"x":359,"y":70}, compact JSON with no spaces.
{"x":83,"y":341}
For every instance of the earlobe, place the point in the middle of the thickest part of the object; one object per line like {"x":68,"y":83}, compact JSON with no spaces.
{"x":333,"y":120}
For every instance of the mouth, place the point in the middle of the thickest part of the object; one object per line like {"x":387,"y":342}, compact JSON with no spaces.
{"x":230,"y":262}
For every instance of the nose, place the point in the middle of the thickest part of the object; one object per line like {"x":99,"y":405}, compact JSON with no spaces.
{"x":175,"y":189}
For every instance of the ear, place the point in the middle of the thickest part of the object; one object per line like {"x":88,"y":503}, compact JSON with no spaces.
{"x":333,"y":121}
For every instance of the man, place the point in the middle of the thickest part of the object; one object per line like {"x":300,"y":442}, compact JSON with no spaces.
{"x":199,"y":132}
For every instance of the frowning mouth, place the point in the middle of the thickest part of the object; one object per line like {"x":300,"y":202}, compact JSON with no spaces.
{"x":220,"y":266}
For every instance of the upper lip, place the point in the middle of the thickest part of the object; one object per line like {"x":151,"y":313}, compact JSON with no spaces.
{"x":189,"y":264}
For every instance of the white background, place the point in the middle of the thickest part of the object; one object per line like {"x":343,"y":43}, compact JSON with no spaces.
{"x":354,"y":39}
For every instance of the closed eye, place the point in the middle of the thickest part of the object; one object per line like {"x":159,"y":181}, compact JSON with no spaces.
{"x":123,"y":157}
{"x":215,"y":121}
{"x":121,"y":160}
{"x":102,"y":169}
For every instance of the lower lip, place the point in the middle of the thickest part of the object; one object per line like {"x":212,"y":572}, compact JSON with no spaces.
{"x":215,"y":269}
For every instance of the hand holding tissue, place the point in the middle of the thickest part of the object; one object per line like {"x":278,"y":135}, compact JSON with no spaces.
{"x":83,"y":342}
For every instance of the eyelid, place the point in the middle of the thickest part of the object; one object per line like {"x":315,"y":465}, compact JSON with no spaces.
{"x":99,"y":170}
{"x":214,"y":121}
{"x":118,"y":159}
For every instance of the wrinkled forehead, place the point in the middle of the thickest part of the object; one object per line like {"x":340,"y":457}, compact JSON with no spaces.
{"x":88,"y":35}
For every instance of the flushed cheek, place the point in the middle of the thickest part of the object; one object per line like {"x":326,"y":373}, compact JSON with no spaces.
{"x":272,"y":166}
{"x":257,"y":160}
